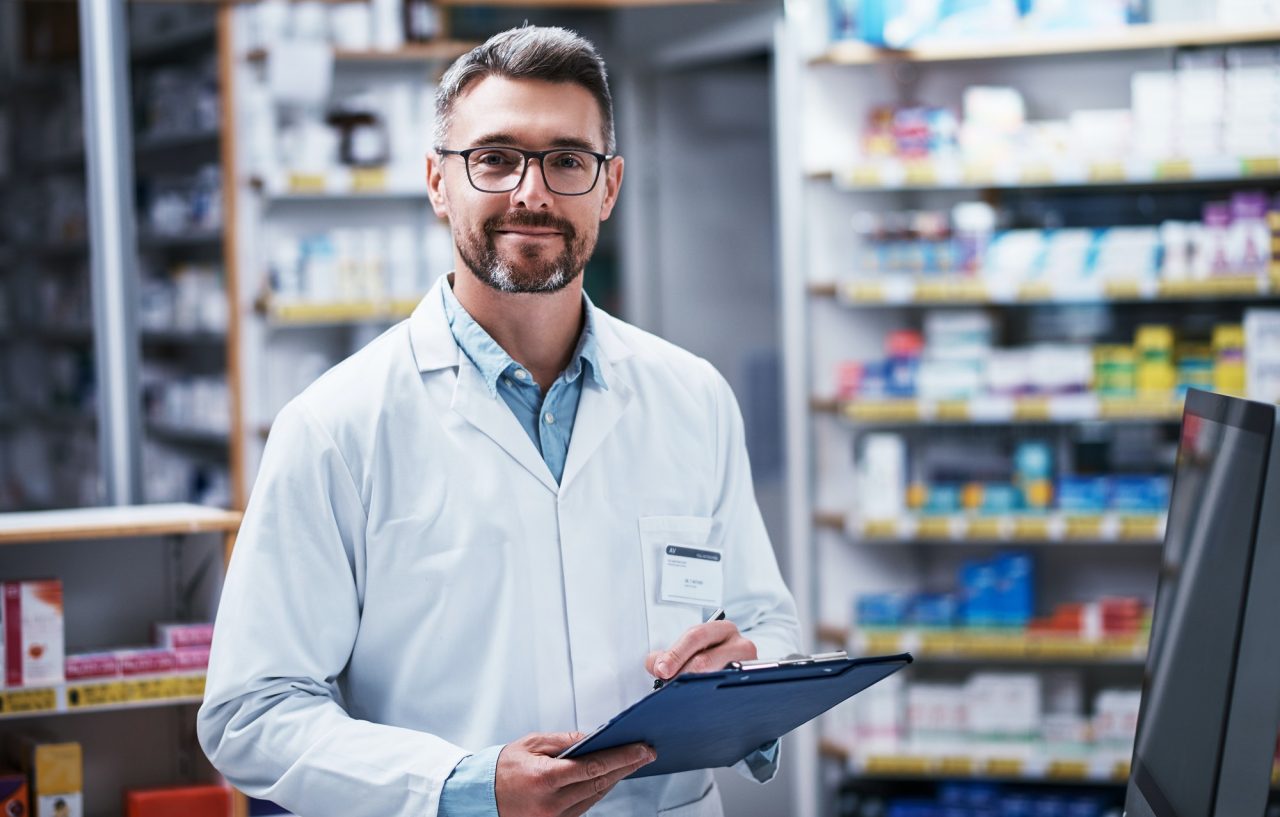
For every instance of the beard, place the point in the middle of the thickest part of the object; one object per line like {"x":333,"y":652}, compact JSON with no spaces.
{"x":529,"y":271}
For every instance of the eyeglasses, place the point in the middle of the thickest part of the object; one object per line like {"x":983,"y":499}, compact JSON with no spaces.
{"x":566,"y":172}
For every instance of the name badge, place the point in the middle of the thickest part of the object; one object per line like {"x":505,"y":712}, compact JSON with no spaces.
{"x":692,"y":576}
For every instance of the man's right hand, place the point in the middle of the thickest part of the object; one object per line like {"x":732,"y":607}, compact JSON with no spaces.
{"x":532,"y":782}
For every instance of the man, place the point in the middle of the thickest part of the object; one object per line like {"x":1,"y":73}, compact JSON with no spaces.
{"x":457,"y":537}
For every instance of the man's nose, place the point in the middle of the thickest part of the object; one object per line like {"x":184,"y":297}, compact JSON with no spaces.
{"x":532,"y":192}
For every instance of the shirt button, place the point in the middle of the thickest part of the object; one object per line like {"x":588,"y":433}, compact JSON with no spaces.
{"x":549,"y":417}
{"x":521,"y":374}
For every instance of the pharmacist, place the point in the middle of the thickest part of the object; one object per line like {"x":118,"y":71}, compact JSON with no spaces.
{"x":453,"y":562}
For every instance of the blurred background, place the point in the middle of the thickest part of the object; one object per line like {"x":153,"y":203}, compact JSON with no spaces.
{"x":959,"y":259}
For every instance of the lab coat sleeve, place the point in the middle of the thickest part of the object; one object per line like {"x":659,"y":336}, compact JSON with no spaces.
{"x":273,"y":720}
{"x":756,"y":599}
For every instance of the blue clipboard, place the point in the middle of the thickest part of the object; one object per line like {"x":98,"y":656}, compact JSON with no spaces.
{"x":709,"y":719}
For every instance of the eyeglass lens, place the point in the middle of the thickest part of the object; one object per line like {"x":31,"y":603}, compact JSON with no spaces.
{"x":497,"y":170}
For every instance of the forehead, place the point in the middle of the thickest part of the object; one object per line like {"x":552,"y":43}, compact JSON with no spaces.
{"x":534,"y":113}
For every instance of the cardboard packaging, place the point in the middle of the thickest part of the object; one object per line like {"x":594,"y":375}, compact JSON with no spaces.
{"x":13,"y":794}
{"x":55,"y":772}
{"x":31,"y":620}
{"x":189,"y":801}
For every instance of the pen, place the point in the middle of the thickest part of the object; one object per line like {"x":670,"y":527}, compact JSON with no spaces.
{"x":718,"y":615}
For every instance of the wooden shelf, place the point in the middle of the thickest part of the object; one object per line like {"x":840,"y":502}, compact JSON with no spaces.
{"x":115,"y":523}
{"x":870,"y":292}
{"x":439,"y":51}
{"x":1031,"y":44}
{"x":1003,"y":410}
{"x":1027,"y":529}
{"x":102,"y":696}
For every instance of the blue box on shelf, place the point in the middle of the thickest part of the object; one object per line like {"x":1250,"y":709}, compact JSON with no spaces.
{"x":1139,"y":494}
{"x":1083,"y":495}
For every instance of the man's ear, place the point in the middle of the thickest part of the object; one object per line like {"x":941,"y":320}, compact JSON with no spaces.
{"x":435,"y":185}
{"x":612,"y":184}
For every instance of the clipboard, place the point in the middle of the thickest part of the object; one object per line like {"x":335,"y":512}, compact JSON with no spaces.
{"x":710,"y":719}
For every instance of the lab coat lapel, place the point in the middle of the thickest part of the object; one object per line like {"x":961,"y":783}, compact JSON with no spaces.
{"x":489,"y":413}
{"x":599,"y":409}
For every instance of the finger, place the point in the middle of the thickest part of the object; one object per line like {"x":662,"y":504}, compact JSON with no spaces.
{"x":597,"y":787}
{"x":695,"y":640}
{"x":550,"y":743}
{"x":582,"y":808}
{"x":600,"y":764}
{"x":718,"y":657}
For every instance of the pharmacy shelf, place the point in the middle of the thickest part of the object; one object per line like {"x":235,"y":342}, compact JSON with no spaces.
{"x":102,"y":696}
{"x":358,"y":185}
{"x":1010,"y":769}
{"x":1032,"y":44}
{"x":929,"y":174}
{"x":196,"y":239}
{"x":980,"y":646}
{"x":1003,"y":410}
{"x":978,"y":290}
{"x":148,"y":145}
{"x":182,"y":337}
{"x":285,"y":314}
{"x":197,"y":437}
{"x":437,"y":51}
{"x":1027,"y":529}
{"x":115,"y":523}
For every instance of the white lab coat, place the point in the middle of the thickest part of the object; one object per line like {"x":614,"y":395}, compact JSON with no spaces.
{"x":410,"y":584}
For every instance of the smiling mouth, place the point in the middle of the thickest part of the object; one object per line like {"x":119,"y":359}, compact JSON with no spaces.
{"x":530,"y":232}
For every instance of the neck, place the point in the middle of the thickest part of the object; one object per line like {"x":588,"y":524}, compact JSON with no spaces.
{"x":538,"y":329}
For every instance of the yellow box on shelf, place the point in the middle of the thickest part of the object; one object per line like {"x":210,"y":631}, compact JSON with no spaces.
{"x":1260,"y":166}
{"x":29,"y":701}
{"x":897,"y":764}
{"x":1067,"y":770}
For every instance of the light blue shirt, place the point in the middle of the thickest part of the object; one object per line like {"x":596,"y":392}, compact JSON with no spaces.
{"x":469,"y":790}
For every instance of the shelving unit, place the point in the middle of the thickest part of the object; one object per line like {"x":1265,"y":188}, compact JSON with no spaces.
{"x":835,"y":311}
{"x":145,"y":564}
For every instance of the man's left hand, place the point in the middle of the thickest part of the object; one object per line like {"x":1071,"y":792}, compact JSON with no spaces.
{"x":703,"y":648}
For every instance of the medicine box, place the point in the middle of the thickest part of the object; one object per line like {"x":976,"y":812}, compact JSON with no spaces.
{"x":55,"y":773}
{"x":31,"y":621}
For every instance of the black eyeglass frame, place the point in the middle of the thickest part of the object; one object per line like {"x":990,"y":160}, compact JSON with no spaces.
{"x":529,"y":155}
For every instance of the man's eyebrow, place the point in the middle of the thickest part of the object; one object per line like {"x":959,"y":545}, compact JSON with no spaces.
{"x":501,"y":138}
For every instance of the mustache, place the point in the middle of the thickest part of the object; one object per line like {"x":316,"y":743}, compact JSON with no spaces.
{"x":523,"y":218}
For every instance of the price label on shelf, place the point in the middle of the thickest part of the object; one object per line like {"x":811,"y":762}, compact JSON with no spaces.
{"x":1037,"y":173}
{"x":369,"y":179}
{"x":956,"y":766}
{"x":1031,"y":529}
{"x":1139,"y":527}
{"x":986,"y":530}
{"x":880,"y":529}
{"x":1104,"y":172}
{"x":1120,"y":771}
{"x":28,"y":701}
{"x":981,"y":173}
{"x":863,"y":292}
{"x":1032,"y":409}
{"x":952,"y":410}
{"x":865,"y":176}
{"x":1003,"y":767}
{"x":1260,"y":166}
{"x":1083,"y":528}
{"x":1067,"y":770}
{"x":307,"y":183}
{"x":896,"y":764}
{"x":921,"y":173}
{"x":934,"y":528}
{"x":1174,"y":170}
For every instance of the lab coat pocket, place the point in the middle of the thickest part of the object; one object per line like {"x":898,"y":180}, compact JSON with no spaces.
{"x":667,"y":621}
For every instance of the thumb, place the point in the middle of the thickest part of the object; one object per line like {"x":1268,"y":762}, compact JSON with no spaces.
{"x":651,"y":660}
{"x":553,"y":743}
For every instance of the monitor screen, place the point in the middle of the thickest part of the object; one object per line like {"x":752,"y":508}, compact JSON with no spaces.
{"x":1191,"y":661}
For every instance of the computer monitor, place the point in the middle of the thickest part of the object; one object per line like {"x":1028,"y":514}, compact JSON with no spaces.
{"x":1211,"y":694}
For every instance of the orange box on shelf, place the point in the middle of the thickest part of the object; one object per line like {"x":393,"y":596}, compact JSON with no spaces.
{"x":178,"y":801}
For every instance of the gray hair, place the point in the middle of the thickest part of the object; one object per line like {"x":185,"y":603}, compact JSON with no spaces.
{"x":528,"y":52}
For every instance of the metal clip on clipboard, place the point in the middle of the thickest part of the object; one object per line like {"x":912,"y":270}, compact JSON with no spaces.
{"x":793,"y":660}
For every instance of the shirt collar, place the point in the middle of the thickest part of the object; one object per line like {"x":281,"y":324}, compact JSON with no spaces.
{"x":492,"y":361}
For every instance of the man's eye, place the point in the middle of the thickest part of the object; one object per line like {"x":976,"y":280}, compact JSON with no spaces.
{"x":570,"y":161}
{"x":492,"y":159}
